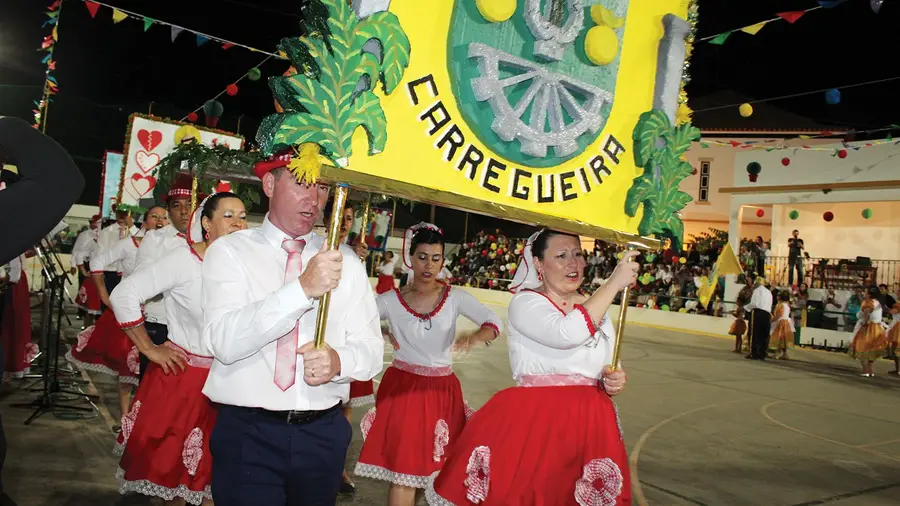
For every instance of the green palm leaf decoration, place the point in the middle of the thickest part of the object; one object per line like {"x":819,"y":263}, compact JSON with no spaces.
{"x":327,"y":102}
{"x":658,"y":147}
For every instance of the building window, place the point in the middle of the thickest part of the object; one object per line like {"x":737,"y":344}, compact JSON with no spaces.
{"x":703,"y":194}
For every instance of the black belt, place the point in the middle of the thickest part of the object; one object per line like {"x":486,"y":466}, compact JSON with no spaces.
{"x":296,"y":417}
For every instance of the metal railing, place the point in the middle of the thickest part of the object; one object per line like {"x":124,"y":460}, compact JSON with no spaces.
{"x":837,"y":273}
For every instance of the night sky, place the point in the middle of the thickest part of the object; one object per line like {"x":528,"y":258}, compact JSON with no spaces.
{"x":107,"y":71}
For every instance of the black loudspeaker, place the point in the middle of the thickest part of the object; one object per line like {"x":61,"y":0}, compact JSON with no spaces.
{"x":864,"y":261}
{"x":815,"y":309}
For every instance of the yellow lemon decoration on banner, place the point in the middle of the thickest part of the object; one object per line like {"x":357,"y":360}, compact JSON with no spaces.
{"x":605,"y":17}
{"x":601,"y":45}
{"x":496,"y":11}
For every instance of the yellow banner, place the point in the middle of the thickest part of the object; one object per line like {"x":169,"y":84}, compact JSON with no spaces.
{"x":727,"y":263}
{"x":460,"y":122}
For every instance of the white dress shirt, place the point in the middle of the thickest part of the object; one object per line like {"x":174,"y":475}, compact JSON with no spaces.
{"x":544,"y":340}
{"x":761,"y":299}
{"x":122,"y":253}
{"x":248,"y":306}
{"x":154,"y":245}
{"x":428,"y":339}
{"x":84,"y":245}
{"x":177,"y":275}
{"x":108,"y":237}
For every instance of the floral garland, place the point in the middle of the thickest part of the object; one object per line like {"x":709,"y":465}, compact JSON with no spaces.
{"x":200,"y":159}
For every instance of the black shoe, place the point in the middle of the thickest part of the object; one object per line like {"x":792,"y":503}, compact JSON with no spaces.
{"x":346,"y":488}
{"x":750,"y":357}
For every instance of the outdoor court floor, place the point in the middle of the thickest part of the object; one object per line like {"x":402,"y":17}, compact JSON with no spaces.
{"x":703,"y":426}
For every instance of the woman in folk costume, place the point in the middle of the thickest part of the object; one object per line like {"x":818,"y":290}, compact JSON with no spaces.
{"x":103,"y":347}
{"x":165,"y":436}
{"x":419,"y":408}
{"x":15,"y":326}
{"x":555,"y":438}
{"x":88,"y":299}
{"x":362,"y":393}
{"x":869,"y":340}
{"x":782,"y":336}
{"x":386,"y":273}
{"x":893,"y":337}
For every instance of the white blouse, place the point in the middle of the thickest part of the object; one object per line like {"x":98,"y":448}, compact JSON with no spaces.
{"x":84,"y":246}
{"x":123,"y":253}
{"x":155,"y":244}
{"x":428,"y":339}
{"x":177,"y":275}
{"x":388,"y":268}
{"x":545,"y":340}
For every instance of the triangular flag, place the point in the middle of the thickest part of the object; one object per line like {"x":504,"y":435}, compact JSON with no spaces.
{"x":118,"y":15}
{"x":720,"y":39}
{"x":806,"y":136}
{"x":54,"y":5}
{"x":201,"y":40}
{"x":175,"y":31}
{"x":754,"y":29}
{"x":791,"y":16}
{"x":92,"y":7}
{"x":46,"y":59}
{"x":55,"y":34}
{"x":147,"y":23}
{"x":228,"y":45}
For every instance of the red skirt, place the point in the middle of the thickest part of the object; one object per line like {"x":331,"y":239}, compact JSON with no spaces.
{"x":362,"y":393}
{"x":103,"y":347}
{"x":15,"y":332}
{"x":385,"y":284}
{"x":164,"y":441}
{"x":407,"y":432}
{"x":548,"y":446}
{"x":88,"y":298}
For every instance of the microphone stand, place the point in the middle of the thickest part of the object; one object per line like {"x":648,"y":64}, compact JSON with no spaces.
{"x":50,"y":339}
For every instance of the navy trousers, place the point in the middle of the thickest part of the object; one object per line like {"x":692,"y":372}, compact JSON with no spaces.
{"x":159,"y":334}
{"x":260,"y":460}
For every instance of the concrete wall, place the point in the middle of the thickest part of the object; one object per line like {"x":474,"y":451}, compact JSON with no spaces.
{"x":847,"y":236}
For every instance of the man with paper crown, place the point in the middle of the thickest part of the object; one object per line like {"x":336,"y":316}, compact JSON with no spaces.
{"x":157,"y":243}
{"x":279,"y":396}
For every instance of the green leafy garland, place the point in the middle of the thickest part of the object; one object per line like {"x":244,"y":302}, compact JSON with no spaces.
{"x":658,"y":149}
{"x":199,"y":159}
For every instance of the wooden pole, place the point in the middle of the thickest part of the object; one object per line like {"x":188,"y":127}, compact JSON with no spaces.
{"x":341,"y":191}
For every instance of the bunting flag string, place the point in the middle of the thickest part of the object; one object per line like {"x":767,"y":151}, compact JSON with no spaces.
{"x":782,"y":144}
{"x":119,"y":14}
{"x":789,"y":16}
{"x":232,"y":87}
{"x":48,"y":45}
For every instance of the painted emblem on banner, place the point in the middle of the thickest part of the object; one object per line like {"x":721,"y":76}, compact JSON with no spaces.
{"x":526,"y":86}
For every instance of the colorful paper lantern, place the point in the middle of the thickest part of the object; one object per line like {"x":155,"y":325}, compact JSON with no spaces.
{"x":254,"y":74}
{"x":828,"y":216}
{"x":231,"y":90}
{"x":842,"y":153}
{"x":760,"y":213}
{"x":794,"y":214}
{"x":785,"y":161}
{"x":664,"y":307}
{"x":192,"y":117}
{"x":867,"y":213}
{"x":833,"y":96}
{"x":753,"y":170}
{"x":746,"y":110}
{"x":682,"y":260}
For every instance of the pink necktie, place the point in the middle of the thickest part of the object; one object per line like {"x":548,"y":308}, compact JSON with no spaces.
{"x":286,"y":350}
